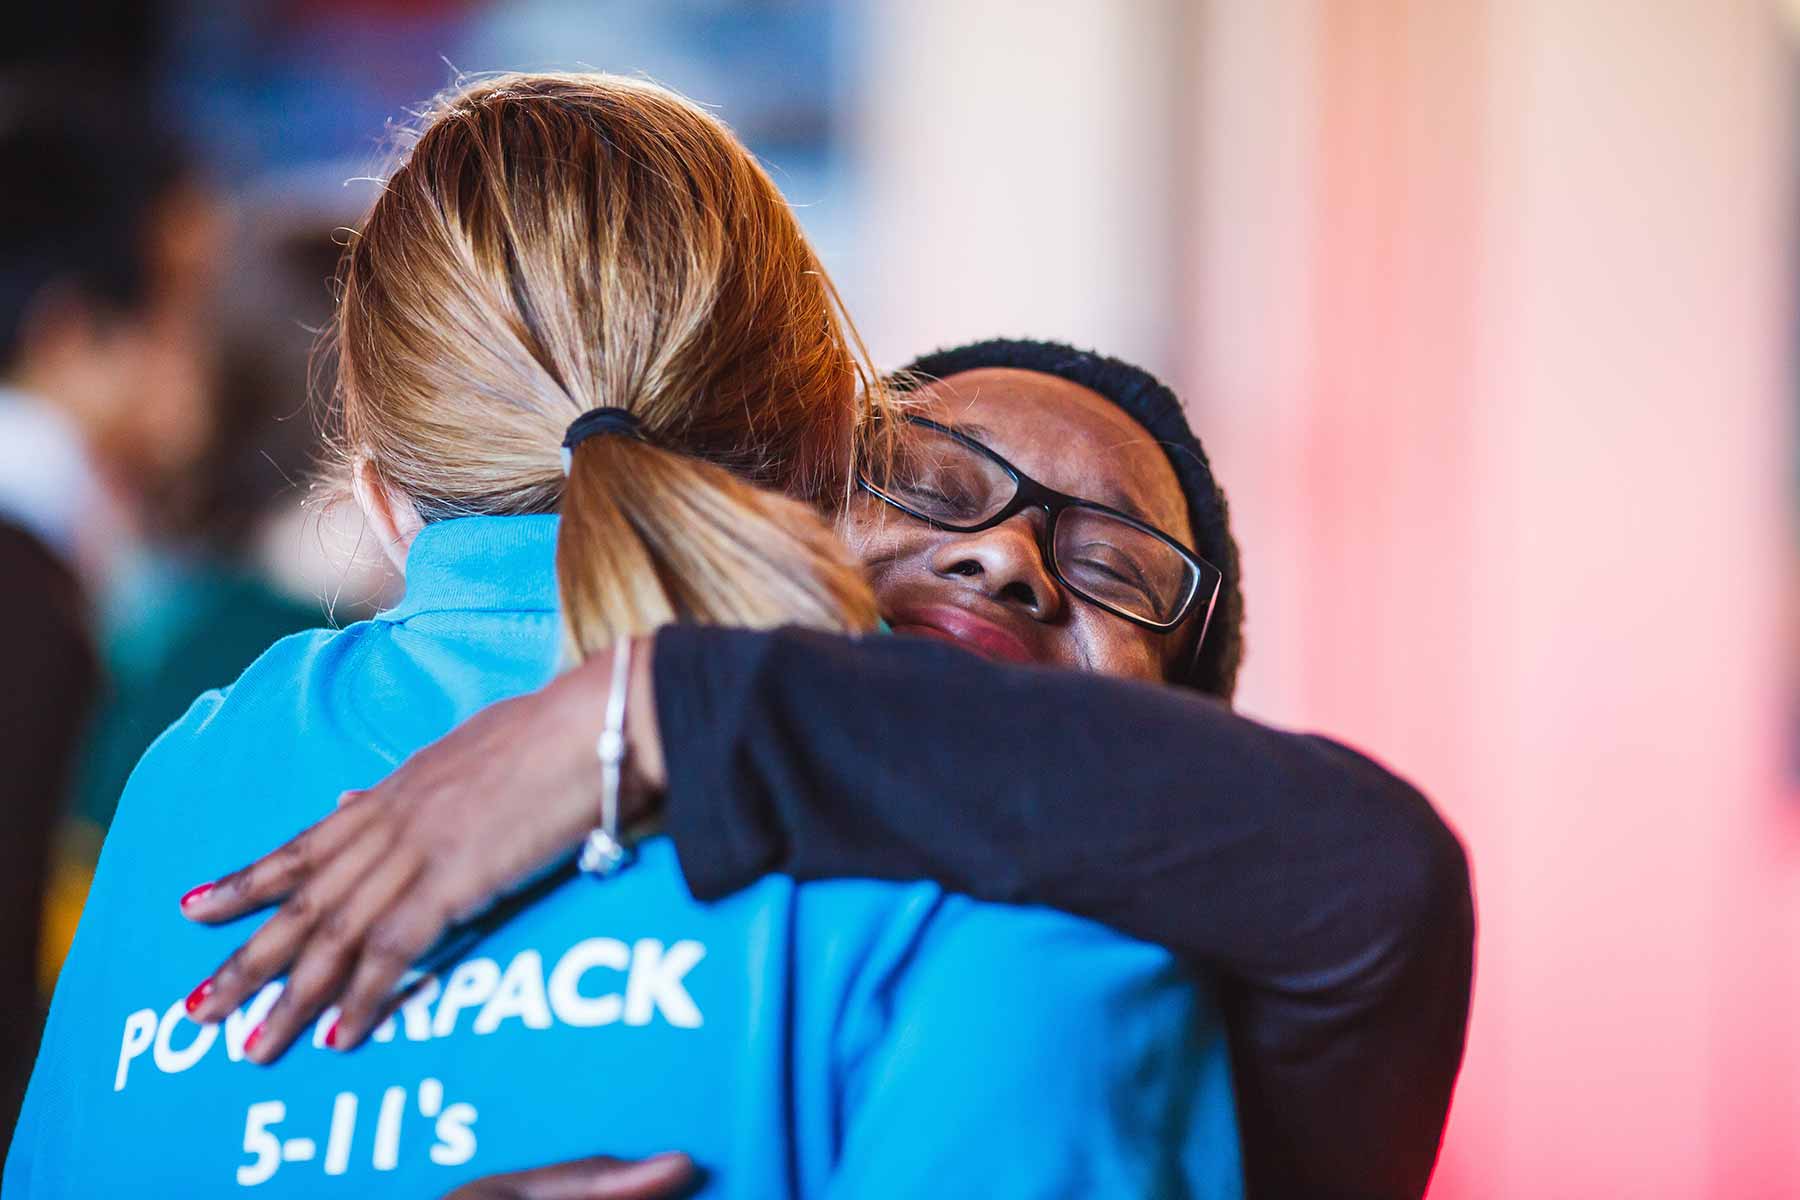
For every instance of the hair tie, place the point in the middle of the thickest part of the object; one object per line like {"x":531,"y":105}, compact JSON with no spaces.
{"x":596,"y":422}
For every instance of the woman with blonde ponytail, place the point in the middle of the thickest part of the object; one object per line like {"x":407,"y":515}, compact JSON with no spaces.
{"x":592,"y":381}
{"x":556,"y":245}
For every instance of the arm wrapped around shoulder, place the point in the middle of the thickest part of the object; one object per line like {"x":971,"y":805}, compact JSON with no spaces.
{"x":1330,"y":898}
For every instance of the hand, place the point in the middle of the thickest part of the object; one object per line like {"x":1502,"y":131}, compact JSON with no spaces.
{"x":371,"y":887}
{"x":587,"y":1179}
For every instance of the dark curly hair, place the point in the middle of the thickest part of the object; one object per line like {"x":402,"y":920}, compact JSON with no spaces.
{"x":1149,"y":402}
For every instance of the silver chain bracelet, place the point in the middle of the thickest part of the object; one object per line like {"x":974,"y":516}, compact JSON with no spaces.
{"x":602,"y":853}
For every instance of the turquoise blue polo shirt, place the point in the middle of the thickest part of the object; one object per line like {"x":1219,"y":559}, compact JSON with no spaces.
{"x":843,"y":1039}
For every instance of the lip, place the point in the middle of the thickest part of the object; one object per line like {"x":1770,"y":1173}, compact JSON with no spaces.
{"x":984,"y":637}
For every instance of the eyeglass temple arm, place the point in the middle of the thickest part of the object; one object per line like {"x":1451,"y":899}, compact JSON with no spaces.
{"x":1205,"y":624}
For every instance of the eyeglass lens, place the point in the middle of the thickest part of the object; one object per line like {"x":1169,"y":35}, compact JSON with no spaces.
{"x":1121,"y":566}
{"x":1099,"y":556}
{"x":943,"y":480}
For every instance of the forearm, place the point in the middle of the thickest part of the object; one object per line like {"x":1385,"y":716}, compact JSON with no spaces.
{"x":1325,"y":890}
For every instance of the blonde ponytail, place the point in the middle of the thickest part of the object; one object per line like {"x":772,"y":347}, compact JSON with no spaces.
{"x":560,"y":243}
{"x":650,"y":536}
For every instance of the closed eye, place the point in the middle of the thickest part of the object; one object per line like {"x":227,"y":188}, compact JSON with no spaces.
{"x":1127,"y":572}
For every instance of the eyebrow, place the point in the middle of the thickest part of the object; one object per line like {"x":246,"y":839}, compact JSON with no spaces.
{"x":1128,"y":504}
{"x":1112,"y":498}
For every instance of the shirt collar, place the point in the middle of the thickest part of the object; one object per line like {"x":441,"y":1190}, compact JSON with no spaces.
{"x":481,"y":564}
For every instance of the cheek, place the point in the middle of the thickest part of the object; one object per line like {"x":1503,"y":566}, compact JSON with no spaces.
{"x":873,"y":537}
{"x":1110,"y":646}
{"x":892,"y":549}
{"x":862,"y":526}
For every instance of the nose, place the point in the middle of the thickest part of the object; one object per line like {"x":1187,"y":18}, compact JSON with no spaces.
{"x":1006,"y":564}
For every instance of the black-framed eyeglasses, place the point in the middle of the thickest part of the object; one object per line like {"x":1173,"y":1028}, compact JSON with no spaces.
{"x":1111,"y":559}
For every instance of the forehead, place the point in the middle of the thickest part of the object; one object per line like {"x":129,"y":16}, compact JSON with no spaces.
{"x":1067,"y":437}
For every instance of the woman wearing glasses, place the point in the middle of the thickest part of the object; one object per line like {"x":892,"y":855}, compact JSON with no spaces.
{"x":1060,"y":512}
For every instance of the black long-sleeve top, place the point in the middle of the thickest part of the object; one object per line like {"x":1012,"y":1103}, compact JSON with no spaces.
{"x":1325,"y":892}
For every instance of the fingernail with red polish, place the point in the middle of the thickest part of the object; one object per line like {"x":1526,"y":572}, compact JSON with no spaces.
{"x":194,"y":894}
{"x":198,"y":996}
{"x":255,"y":1036}
{"x":331,"y":1036}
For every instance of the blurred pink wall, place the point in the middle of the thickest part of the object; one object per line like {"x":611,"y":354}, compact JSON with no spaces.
{"x":1483,"y":307}
{"x":1021,"y":164}
{"x":1491,"y":334}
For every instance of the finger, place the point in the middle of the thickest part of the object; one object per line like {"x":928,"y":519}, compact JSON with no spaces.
{"x":280,"y":940}
{"x":489,"y":1187}
{"x":605,"y":1178}
{"x":329,"y":952}
{"x":277,"y":873}
{"x":663,"y":1175}
{"x":411,"y":925}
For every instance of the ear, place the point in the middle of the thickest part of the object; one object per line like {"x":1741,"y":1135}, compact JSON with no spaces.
{"x":390,"y":513}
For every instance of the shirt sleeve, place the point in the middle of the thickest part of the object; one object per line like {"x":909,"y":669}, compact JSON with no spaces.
{"x":1325,"y":891}
{"x":1021,"y":1053}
